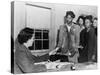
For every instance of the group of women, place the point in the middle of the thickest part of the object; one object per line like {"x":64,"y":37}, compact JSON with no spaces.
{"x":88,"y":38}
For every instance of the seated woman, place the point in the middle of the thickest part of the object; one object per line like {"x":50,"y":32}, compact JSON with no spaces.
{"x":24,"y":60}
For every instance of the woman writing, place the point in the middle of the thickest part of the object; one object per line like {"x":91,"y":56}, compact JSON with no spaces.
{"x":24,"y":60}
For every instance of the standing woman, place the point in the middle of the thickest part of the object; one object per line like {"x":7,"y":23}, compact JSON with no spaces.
{"x":90,"y":39}
{"x":81,"y":22}
{"x":95,"y":24}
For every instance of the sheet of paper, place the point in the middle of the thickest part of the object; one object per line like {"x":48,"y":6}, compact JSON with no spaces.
{"x":54,"y":65}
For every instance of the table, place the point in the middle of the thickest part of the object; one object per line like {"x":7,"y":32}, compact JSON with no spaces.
{"x":66,"y":66}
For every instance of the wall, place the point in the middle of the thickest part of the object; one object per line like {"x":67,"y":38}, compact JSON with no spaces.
{"x":19,"y":17}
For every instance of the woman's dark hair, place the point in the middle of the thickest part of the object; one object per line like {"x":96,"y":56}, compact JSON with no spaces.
{"x":95,"y":18}
{"x":24,"y":35}
{"x":89,"y":17}
{"x":71,"y":13}
{"x":81,"y":17}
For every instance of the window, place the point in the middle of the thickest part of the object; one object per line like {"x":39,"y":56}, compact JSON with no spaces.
{"x":41,"y":41}
{"x":39,"y":18}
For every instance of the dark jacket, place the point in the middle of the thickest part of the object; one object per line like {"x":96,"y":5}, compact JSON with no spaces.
{"x":89,"y":42}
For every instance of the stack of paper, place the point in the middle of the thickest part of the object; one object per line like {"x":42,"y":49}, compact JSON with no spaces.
{"x":54,"y":65}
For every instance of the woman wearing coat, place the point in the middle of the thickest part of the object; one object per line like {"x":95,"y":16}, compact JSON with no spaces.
{"x":24,"y":60}
{"x":80,"y":22}
{"x":88,"y":41}
{"x":95,"y":25}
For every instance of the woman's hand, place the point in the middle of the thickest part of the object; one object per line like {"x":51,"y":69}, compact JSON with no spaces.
{"x":93,"y":57}
{"x":80,"y":47}
{"x":53,"y":51}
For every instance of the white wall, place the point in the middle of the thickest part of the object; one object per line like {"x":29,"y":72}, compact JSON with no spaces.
{"x":19,"y":17}
{"x":38,"y":17}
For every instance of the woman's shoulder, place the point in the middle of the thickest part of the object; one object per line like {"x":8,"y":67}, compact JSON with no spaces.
{"x":83,"y":31}
{"x":92,"y":30}
{"x":62,"y":27}
{"x":76,"y":26}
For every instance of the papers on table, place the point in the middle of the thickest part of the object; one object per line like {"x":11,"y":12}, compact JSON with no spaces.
{"x":54,"y":65}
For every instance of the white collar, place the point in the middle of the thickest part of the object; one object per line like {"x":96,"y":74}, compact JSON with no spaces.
{"x":69,"y":27}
